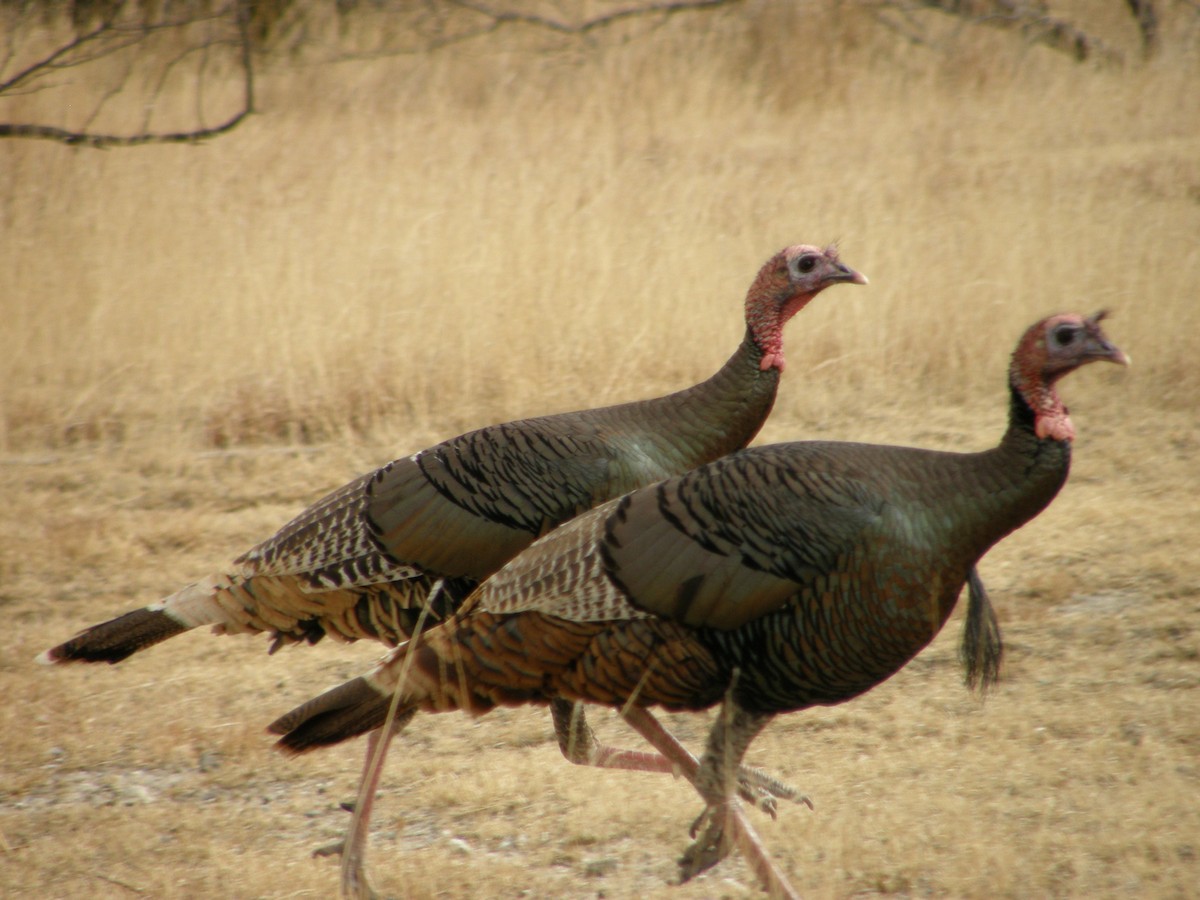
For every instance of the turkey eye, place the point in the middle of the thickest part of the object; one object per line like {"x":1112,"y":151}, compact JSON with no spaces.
{"x":1064,"y":336}
{"x":806,"y":264}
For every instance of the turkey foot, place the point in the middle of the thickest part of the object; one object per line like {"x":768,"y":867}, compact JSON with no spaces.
{"x":761,"y":788}
{"x":711,"y":846}
{"x":580,"y":746}
{"x":721,"y":827}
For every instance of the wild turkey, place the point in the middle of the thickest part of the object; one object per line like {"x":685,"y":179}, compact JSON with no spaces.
{"x":413,"y":537}
{"x":775,"y":579}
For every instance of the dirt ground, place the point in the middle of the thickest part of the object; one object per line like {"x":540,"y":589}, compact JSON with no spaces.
{"x":1078,"y":776}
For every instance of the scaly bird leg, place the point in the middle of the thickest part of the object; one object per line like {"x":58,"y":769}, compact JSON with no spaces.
{"x":731,"y":734}
{"x":353,"y":848}
{"x":723,"y":819}
{"x":581,"y":747}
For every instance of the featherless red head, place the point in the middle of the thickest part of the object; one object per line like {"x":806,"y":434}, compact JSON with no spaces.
{"x":1049,"y":350}
{"x":785,"y":285}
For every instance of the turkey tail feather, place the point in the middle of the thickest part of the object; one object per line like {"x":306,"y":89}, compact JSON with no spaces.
{"x":114,"y":640}
{"x":118,"y":638}
{"x":343,"y":712}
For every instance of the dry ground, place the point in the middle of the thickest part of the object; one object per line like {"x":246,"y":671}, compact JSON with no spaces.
{"x":1077,"y":777}
{"x":199,"y":341}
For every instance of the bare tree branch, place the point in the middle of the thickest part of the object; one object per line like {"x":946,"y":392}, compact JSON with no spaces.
{"x":437,"y":29}
{"x":1029,"y":18}
{"x":670,"y":7}
{"x":144,"y":49}
{"x":119,"y":34}
{"x":108,"y":38}
{"x":118,"y":37}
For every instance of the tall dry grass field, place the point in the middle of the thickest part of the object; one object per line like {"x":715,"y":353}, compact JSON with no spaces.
{"x":200,"y":340}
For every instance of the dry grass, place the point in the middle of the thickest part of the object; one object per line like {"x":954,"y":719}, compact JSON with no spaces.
{"x":397,"y":251}
{"x":434,"y":243}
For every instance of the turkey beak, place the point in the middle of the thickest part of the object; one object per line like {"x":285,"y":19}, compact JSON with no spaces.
{"x":1100,"y":347}
{"x":1113,"y":353}
{"x":845,"y":274}
{"x":1103,"y":349}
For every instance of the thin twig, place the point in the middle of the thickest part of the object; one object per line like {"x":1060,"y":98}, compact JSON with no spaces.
{"x":435,"y":39}
{"x":670,"y":7}
{"x":119,"y":883}
{"x":111,"y":37}
{"x":1030,"y":19}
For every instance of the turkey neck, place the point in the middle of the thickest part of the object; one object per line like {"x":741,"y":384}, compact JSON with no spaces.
{"x":1011,"y":483}
{"x":710,"y":419}
{"x":966,"y":502}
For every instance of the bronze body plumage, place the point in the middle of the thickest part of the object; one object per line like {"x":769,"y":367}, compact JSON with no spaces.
{"x":412,"y":538}
{"x":769,"y":581}
{"x":362,"y":561}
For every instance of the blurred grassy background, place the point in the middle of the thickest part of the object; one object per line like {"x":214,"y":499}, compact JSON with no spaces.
{"x":494,"y":230}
